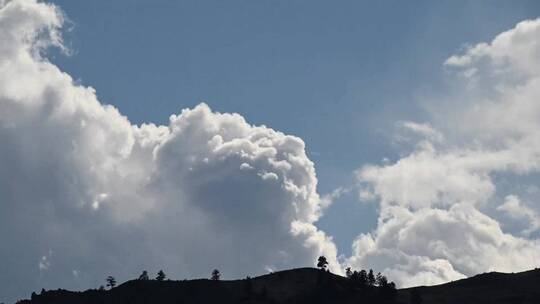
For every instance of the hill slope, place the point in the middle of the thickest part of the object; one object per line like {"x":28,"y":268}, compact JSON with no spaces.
{"x":304,"y":285}
{"x":493,"y":287}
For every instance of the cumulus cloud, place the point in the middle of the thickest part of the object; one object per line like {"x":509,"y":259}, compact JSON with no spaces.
{"x":517,"y":210}
{"x":112,"y":198}
{"x":437,"y":221}
{"x":209,"y":190}
{"x":511,"y":54}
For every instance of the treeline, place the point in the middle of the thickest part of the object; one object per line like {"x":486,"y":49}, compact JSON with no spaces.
{"x":374,"y":288}
{"x":367,"y":283}
{"x":360,"y":278}
{"x":368,"y":278}
{"x":161,"y":276}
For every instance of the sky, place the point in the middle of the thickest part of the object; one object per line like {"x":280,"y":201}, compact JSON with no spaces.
{"x":256,"y":136}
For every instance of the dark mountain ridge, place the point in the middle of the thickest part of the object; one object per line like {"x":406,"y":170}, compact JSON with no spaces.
{"x":492,"y":287}
{"x":304,"y":285}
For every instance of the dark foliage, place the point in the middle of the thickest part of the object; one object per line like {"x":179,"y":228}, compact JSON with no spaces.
{"x":348,"y":272}
{"x":111,"y":282}
{"x":161,"y":276}
{"x":358,"y":279}
{"x":216,"y":275}
{"x":322,"y":262}
{"x":144,"y":276}
{"x":371,"y":278}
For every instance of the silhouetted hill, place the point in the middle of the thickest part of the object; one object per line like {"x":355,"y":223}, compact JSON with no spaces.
{"x":493,"y":288}
{"x":304,"y":285}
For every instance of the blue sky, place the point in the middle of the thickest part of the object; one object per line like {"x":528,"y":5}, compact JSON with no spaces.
{"x":337,"y":75}
{"x":424,"y":116}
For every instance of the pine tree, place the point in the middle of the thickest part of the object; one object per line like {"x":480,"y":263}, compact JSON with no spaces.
{"x":381,"y":280}
{"x":348,"y":272}
{"x":371,"y":278}
{"x":161,"y":276}
{"x":111,"y":282}
{"x":322,"y":262}
{"x":362,"y":278}
{"x":144,"y":276}
{"x":215,"y":275}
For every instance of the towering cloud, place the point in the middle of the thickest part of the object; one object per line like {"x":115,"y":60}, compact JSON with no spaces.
{"x":449,"y":209}
{"x":85,"y":194}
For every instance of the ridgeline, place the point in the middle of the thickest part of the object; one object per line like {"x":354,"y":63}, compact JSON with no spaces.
{"x":304,"y":285}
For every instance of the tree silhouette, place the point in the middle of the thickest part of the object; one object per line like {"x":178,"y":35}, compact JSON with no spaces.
{"x":111,"y":282}
{"x":161,"y":275}
{"x":371,"y":278}
{"x":358,"y":278}
{"x":215,"y":275}
{"x":348,"y":272}
{"x":381,"y":280}
{"x":388,"y":291}
{"x":362,"y":277}
{"x":144,"y":276}
{"x":322,"y":262}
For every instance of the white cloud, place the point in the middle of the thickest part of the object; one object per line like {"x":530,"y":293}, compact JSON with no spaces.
{"x":517,"y":210}
{"x":268,"y":176}
{"x":512,"y":53}
{"x":436,"y":221}
{"x":112,"y":198}
{"x":210,"y":190}
{"x":422,"y":130}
